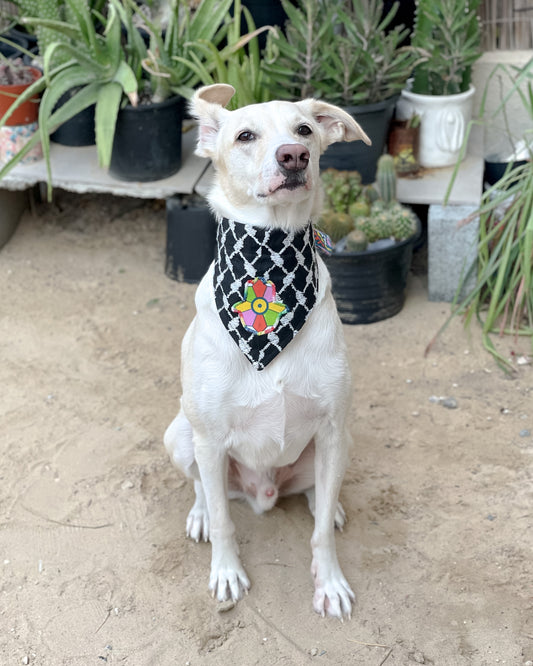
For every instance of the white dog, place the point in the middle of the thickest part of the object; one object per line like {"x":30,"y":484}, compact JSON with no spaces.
{"x":265,"y":377}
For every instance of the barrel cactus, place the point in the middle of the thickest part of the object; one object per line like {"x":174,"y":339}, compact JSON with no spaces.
{"x":363,"y":215}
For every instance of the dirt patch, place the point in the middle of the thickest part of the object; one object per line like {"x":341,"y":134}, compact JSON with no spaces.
{"x":95,"y":565}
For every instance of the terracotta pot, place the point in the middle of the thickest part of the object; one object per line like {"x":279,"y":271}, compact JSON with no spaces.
{"x":403,"y":146}
{"x":26,"y":113}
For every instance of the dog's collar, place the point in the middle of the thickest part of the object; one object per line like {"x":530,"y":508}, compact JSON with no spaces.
{"x":265,"y":283}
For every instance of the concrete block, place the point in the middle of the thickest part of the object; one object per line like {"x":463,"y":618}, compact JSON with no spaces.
{"x":452,"y":251}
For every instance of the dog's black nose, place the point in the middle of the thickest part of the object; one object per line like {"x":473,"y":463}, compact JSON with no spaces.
{"x":292,"y":157}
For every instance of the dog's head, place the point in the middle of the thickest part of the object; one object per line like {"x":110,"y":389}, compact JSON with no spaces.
{"x":268,"y":153}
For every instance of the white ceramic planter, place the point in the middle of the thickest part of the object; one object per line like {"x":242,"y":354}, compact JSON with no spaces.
{"x":443,"y":123}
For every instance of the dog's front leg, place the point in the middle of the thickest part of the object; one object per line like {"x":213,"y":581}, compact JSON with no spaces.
{"x":228,"y":578}
{"x":333,"y":595}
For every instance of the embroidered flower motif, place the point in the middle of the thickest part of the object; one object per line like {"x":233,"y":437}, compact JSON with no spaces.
{"x":260,"y":312}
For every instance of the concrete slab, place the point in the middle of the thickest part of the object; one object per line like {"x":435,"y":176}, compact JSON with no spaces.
{"x":76,"y":169}
{"x":430,"y":185}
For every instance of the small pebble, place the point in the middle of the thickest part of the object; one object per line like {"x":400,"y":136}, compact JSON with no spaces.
{"x":528,"y":663}
{"x":25,"y":660}
{"x":127,"y":485}
{"x":418,"y":657}
{"x":525,"y":433}
{"x":449,"y":403}
{"x":408,"y":381}
{"x":226,"y":606}
{"x":314,"y":652}
{"x":491,"y":517}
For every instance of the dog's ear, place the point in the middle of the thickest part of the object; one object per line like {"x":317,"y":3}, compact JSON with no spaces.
{"x":207,"y":104}
{"x":337,"y":125}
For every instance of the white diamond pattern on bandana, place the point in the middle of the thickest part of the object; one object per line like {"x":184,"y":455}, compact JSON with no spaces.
{"x":285,"y":263}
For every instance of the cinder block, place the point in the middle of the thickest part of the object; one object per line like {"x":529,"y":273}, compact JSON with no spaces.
{"x":452,"y":251}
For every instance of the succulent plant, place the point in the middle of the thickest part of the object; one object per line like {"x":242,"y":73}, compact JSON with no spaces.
{"x":356,"y":241}
{"x":15,"y":73}
{"x":386,"y":178}
{"x":448,"y":34}
{"x":359,"y":214}
{"x":336,"y":225}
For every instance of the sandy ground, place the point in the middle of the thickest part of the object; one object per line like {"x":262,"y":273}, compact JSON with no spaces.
{"x":94,"y":560}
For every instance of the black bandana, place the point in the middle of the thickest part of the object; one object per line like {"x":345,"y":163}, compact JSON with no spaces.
{"x":265,"y":284}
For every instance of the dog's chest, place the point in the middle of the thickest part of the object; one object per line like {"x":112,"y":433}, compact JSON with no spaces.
{"x":274,"y":432}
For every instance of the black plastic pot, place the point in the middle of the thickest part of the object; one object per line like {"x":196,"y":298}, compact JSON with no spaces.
{"x":496,"y":170}
{"x":147,"y":143}
{"x":79,"y":130}
{"x":370,"y":286}
{"x":264,"y":12}
{"x":356,"y":155}
{"x":191,"y":240}
{"x":9,"y":51}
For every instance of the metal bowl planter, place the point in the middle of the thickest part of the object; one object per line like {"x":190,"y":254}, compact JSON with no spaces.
{"x":369,"y":286}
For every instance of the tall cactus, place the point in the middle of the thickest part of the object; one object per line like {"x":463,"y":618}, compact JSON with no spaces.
{"x":386,"y":178}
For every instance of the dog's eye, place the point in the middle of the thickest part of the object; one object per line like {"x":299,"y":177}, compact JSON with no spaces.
{"x":246,"y":136}
{"x":304,"y":130}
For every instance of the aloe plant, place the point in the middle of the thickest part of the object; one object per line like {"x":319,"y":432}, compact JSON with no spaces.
{"x":105,"y":69}
{"x":169,"y":55}
{"x":448,"y":33}
{"x":238,"y":63}
{"x":94,"y":64}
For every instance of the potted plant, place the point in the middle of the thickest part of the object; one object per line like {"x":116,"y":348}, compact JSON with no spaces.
{"x":238,"y":63}
{"x":403,"y":144}
{"x":448,"y":35}
{"x":501,"y":299}
{"x":348,"y":53}
{"x":191,"y":226}
{"x":20,"y":124}
{"x":90,"y":54}
{"x":373,"y":237}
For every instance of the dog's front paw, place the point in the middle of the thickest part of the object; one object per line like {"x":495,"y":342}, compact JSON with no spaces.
{"x":333,"y":595}
{"x":197,"y":527}
{"x":228,"y":580}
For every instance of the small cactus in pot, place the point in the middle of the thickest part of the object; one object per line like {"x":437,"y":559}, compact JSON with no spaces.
{"x":355,"y":216}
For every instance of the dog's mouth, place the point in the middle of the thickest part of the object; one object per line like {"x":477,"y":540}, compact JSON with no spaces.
{"x":292,"y":182}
